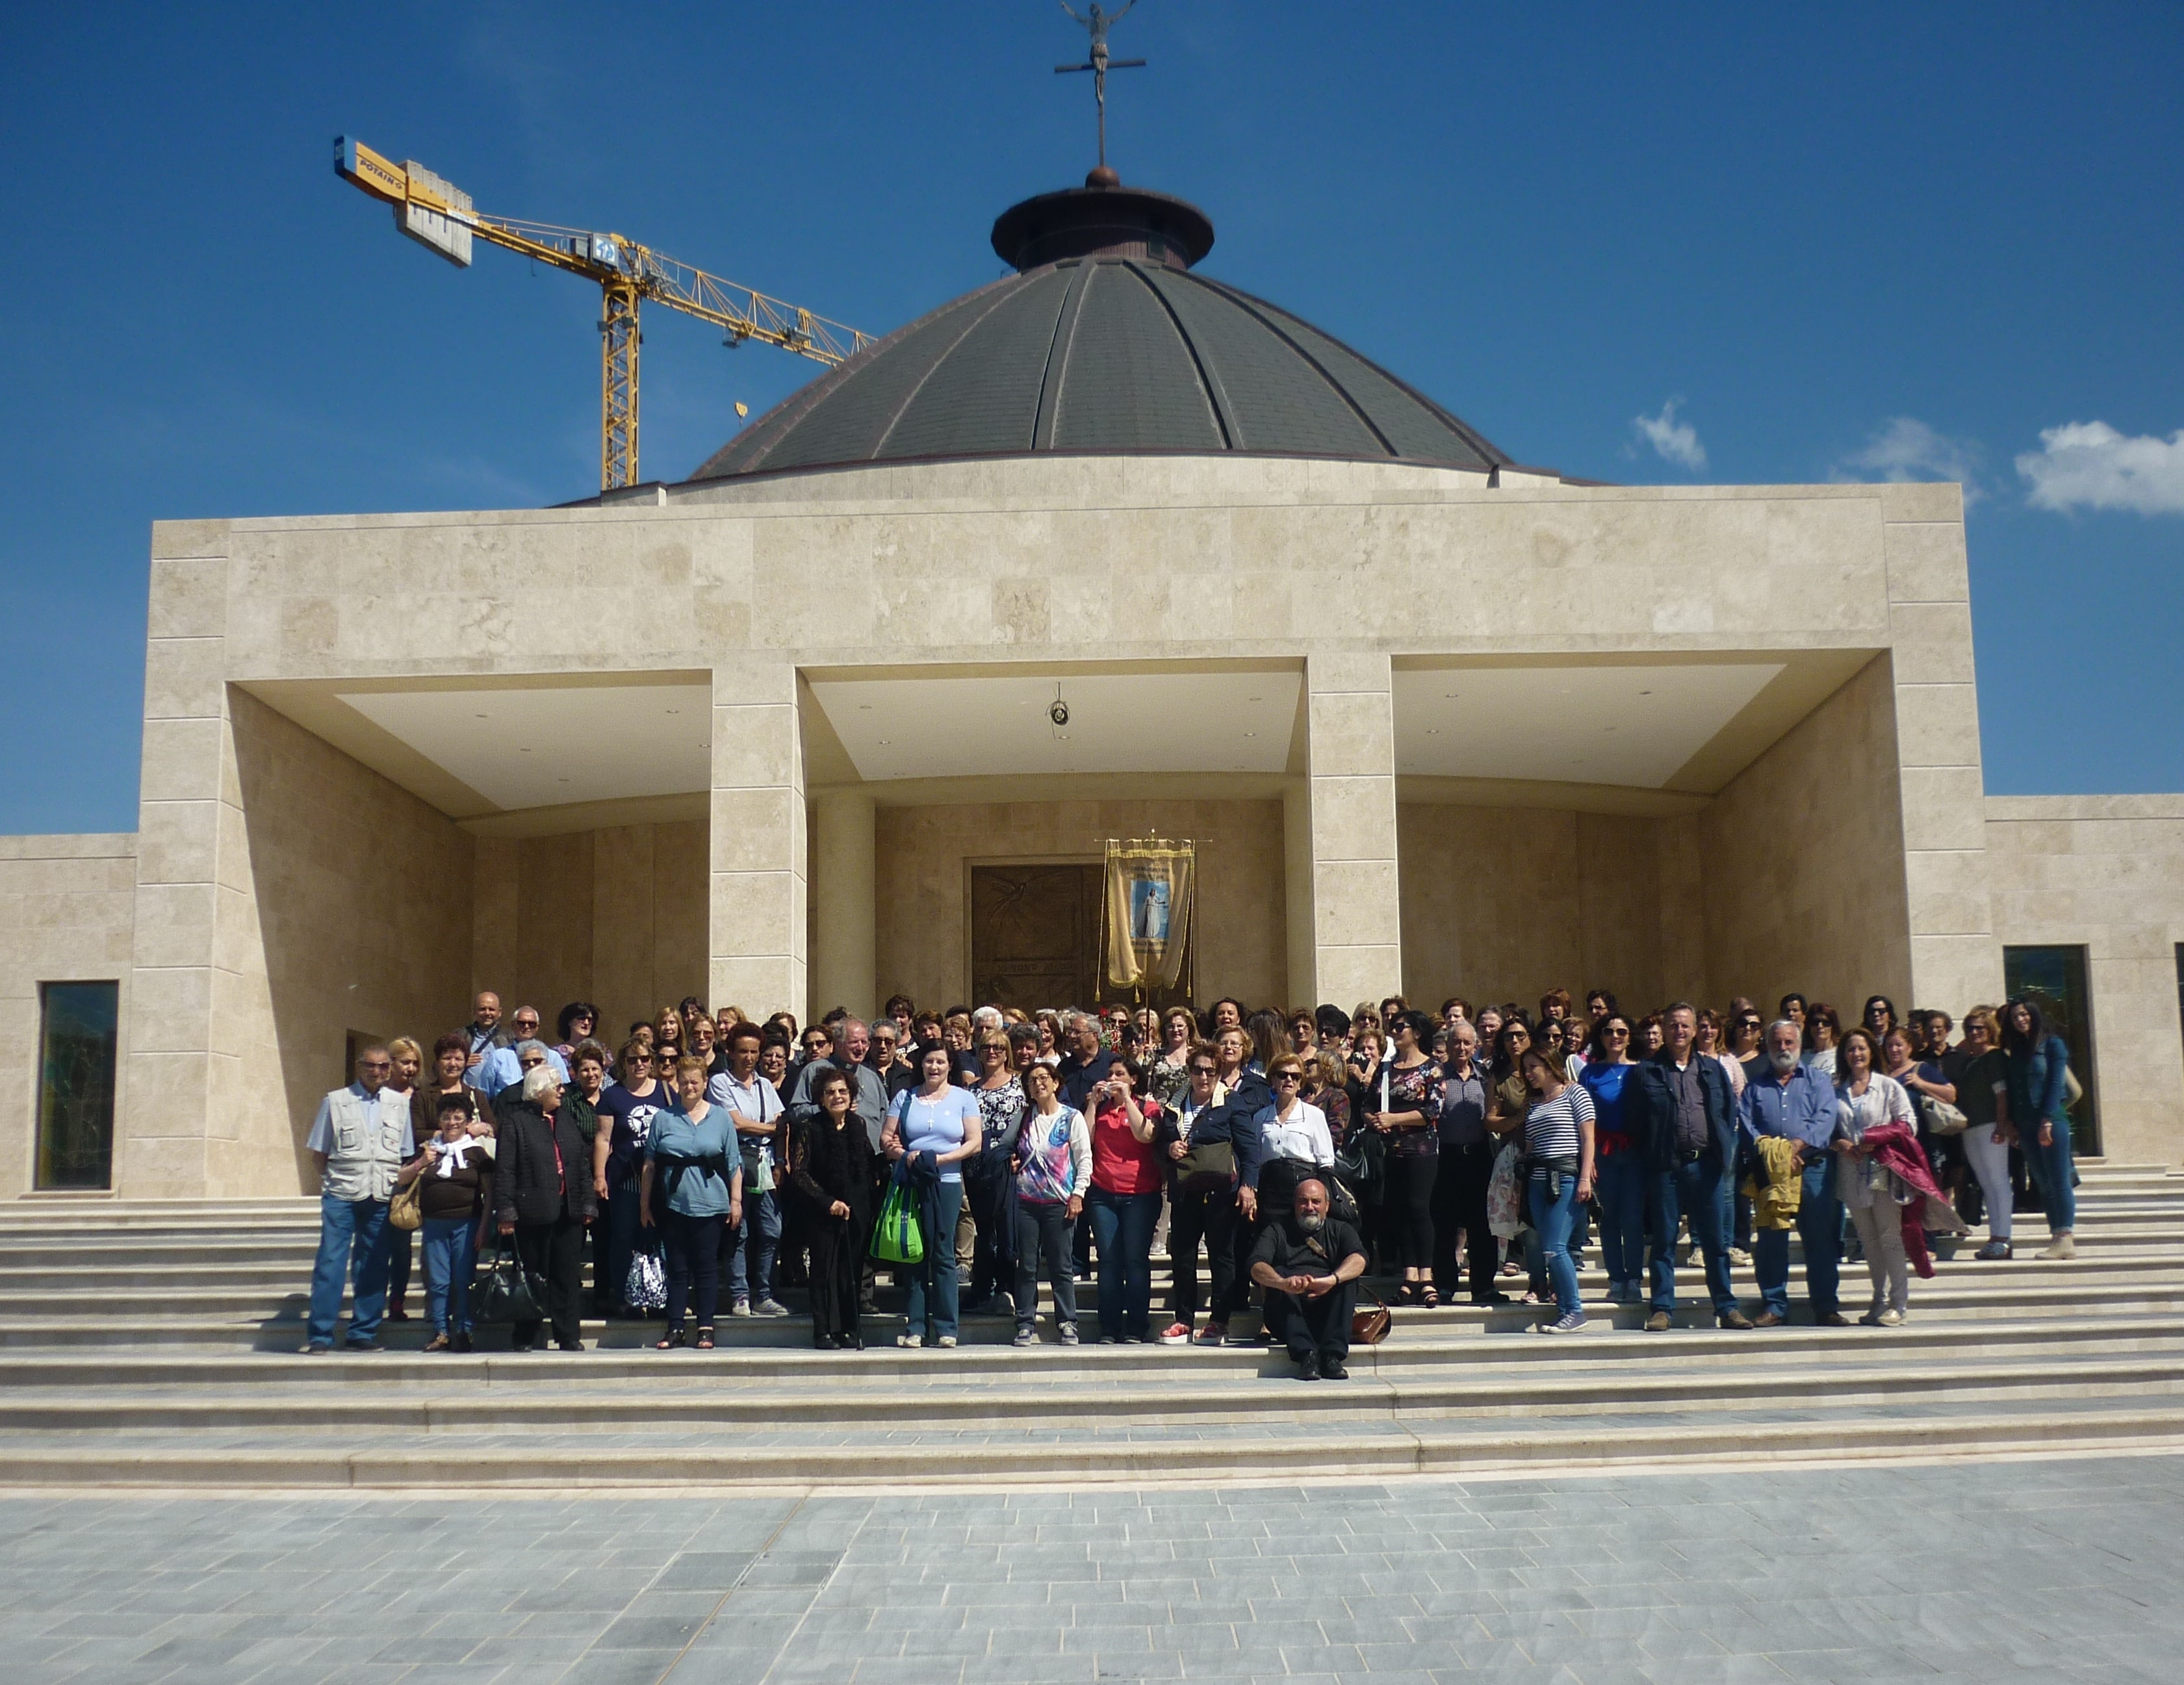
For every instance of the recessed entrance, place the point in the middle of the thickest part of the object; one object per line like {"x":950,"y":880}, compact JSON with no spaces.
{"x":1036,"y":935}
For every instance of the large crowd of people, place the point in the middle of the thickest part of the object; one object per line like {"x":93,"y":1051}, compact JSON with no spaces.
{"x":958,"y":1158}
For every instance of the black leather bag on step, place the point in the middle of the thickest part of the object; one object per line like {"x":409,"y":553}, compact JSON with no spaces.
{"x":508,"y":1293}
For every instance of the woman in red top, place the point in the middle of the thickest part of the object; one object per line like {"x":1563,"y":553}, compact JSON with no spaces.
{"x":1125,"y":1201}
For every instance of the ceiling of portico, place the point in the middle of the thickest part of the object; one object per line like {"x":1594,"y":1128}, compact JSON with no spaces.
{"x":902,"y":725}
{"x":1482,"y":730}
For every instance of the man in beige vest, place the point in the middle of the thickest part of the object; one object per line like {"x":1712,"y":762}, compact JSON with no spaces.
{"x":360,"y":1137}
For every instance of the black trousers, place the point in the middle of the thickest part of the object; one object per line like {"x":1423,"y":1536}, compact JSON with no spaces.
{"x":693,"y":1247}
{"x":1313,"y":1328}
{"x":838,"y":1255}
{"x":554,"y":1254}
{"x":1459,"y":1198}
{"x":1407,"y":1211}
{"x":993,"y":1242}
{"x":1208,"y":1214}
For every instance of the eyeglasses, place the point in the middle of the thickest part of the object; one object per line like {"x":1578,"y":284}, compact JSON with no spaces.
{"x":1287,"y":1076}
{"x":638,"y":1059}
{"x":531,"y":1065}
{"x":1201,"y":1070}
{"x":375,"y":1065}
{"x":1616,"y":1034}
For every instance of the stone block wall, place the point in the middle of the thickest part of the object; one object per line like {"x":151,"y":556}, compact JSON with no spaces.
{"x":66,"y":908}
{"x":2107,"y":873}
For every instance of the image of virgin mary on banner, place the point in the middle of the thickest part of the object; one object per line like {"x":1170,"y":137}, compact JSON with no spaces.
{"x":1148,"y":912}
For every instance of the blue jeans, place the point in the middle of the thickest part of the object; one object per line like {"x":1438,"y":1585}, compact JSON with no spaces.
{"x":1619,"y":1185}
{"x":1122,"y":1231}
{"x":2051,"y":1172}
{"x":932,"y":1304}
{"x":1694,"y":1189}
{"x":351,"y":1246}
{"x":1554,"y":1218}
{"x":450,"y":1256}
{"x":751,"y":1244}
{"x":1819,"y":1227}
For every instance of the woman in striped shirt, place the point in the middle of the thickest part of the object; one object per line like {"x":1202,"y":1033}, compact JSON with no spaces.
{"x":1559,"y":1143}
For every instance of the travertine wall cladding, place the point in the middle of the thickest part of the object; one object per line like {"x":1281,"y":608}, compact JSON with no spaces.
{"x":352,"y":912}
{"x":1505,"y":903}
{"x":1801,"y":857}
{"x":66,"y":905}
{"x":2107,"y":873}
{"x":923,"y":931}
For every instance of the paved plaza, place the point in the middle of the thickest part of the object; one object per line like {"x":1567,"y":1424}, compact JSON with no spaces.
{"x":2055,"y":1569}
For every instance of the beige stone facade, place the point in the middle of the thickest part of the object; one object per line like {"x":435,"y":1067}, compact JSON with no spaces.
{"x":342,"y":831}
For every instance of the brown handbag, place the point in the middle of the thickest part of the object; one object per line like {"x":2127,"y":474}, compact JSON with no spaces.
{"x":1370,"y":1326}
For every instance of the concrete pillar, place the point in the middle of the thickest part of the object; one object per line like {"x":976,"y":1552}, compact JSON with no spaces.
{"x":1356,"y":916}
{"x":1296,"y":871}
{"x":756,"y":942}
{"x":844,"y":902}
{"x":192,"y":949}
{"x":1955,"y":958}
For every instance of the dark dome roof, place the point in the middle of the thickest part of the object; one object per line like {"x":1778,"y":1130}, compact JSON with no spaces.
{"x":1104,"y":341}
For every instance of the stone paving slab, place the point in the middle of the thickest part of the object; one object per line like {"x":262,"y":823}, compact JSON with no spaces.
{"x":2002,"y":1573}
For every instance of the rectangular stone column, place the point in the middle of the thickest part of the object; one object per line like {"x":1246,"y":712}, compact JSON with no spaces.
{"x":1350,"y":725}
{"x":844,"y":902}
{"x":757,"y":941}
{"x":1955,"y":959}
{"x":194,"y":903}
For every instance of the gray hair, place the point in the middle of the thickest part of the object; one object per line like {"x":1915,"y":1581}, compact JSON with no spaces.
{"x":538,"y":1080}
{"x":1788,"y":1024}
{"x":1074,"y":1021}
{"x":848,"y":1027}
{"x":987,"y":1018}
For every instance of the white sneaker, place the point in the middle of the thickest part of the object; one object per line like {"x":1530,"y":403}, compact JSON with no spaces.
{"x":946,"y":1342}
{"x":2063,"y":1246}
{"x":908,"y":1341}
{"x":1891,"y":1319}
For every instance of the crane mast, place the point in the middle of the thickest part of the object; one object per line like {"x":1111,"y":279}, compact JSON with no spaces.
{"x":440,"y":216}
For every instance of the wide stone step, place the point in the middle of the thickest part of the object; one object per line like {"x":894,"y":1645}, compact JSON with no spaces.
{"x":1029,"y":1451}
{"x":1867,"y":1375}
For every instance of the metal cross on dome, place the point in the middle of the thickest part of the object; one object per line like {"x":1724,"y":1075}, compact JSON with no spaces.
{"x":1097,"y":26}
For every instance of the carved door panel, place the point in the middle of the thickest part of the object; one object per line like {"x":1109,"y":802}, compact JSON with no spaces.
{"x":1035,"y":934}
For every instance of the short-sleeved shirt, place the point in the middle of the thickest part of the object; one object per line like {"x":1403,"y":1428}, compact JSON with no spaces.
{"x":1551,"y":1126}
{"x":1285,"y":1248}
{"x":937,"y":1125}
{"x":629,"y":1128}
{"x":1121,"y":1162}
{"x":699,"y":1190}
{"x":1606,"y":1082}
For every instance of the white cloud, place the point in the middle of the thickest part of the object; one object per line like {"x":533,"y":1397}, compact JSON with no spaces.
{"x":1675,"y":441}
{"x":2089,"y":465}
{"x":1907,"y":449}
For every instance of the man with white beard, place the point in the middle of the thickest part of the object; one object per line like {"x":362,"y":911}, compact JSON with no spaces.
{"x":1796,"y":1101}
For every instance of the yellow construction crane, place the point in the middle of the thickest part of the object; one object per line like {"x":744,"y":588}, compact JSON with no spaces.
{"x":439,"y":215}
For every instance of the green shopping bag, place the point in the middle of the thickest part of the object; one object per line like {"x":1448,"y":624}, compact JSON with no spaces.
{"x":896,"y":1237}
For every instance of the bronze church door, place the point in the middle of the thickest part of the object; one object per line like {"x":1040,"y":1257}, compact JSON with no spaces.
{"x":1036,"y":935}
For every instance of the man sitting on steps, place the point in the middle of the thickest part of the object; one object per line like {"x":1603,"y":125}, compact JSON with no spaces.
{"x":1309,"y":1261}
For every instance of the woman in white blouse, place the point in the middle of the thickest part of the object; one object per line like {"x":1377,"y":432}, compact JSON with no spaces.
{"x":1293,"y":1138}
{"x":1866,"y":1098}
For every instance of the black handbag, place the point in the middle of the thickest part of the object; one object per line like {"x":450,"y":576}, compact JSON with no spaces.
{"x":510,"y":1293}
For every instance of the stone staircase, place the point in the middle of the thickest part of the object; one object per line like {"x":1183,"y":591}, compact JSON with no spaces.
{"x":154,"y":1344}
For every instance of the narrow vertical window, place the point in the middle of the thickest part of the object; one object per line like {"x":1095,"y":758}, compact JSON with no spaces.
{"x":77,"y":1024}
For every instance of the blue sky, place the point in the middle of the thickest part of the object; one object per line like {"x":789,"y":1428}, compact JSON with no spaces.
{"x":1853,"y":240}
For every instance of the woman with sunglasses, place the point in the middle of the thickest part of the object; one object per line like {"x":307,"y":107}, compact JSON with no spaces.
{"x":1980,"y":1072}
{"x":1508,"y":1103}
{"x":1403,"y":1105}
{"x":1124,"y":1204}
{"x":627,"y":1108}
{"x":1286,"y":1142}
{"x":1619,"y":1168}
{"x":1000,"y":1098}
{"x":1201,"y":1199}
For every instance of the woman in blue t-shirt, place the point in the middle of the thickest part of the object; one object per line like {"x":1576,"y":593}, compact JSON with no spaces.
{"x":693,"y":1151}
{"x":939,"y":1118}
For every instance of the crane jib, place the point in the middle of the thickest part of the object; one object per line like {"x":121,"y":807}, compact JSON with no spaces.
{"x":439,"y":215}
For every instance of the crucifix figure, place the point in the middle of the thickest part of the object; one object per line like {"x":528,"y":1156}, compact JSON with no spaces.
{"x":1097,"y":26}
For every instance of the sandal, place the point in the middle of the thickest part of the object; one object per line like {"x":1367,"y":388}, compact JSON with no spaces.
{"x":704,"y":1340}
{"x":1406,"y":1293}
{"x":1428,"y":1297}
{"x":669,"y":1340}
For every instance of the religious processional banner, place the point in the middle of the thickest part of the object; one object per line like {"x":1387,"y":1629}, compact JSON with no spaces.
{"x":1148,"y":917}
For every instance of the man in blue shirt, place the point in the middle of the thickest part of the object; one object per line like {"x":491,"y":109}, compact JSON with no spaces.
{"x":504,"y":1066}
{"x":1784,"y":1097}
